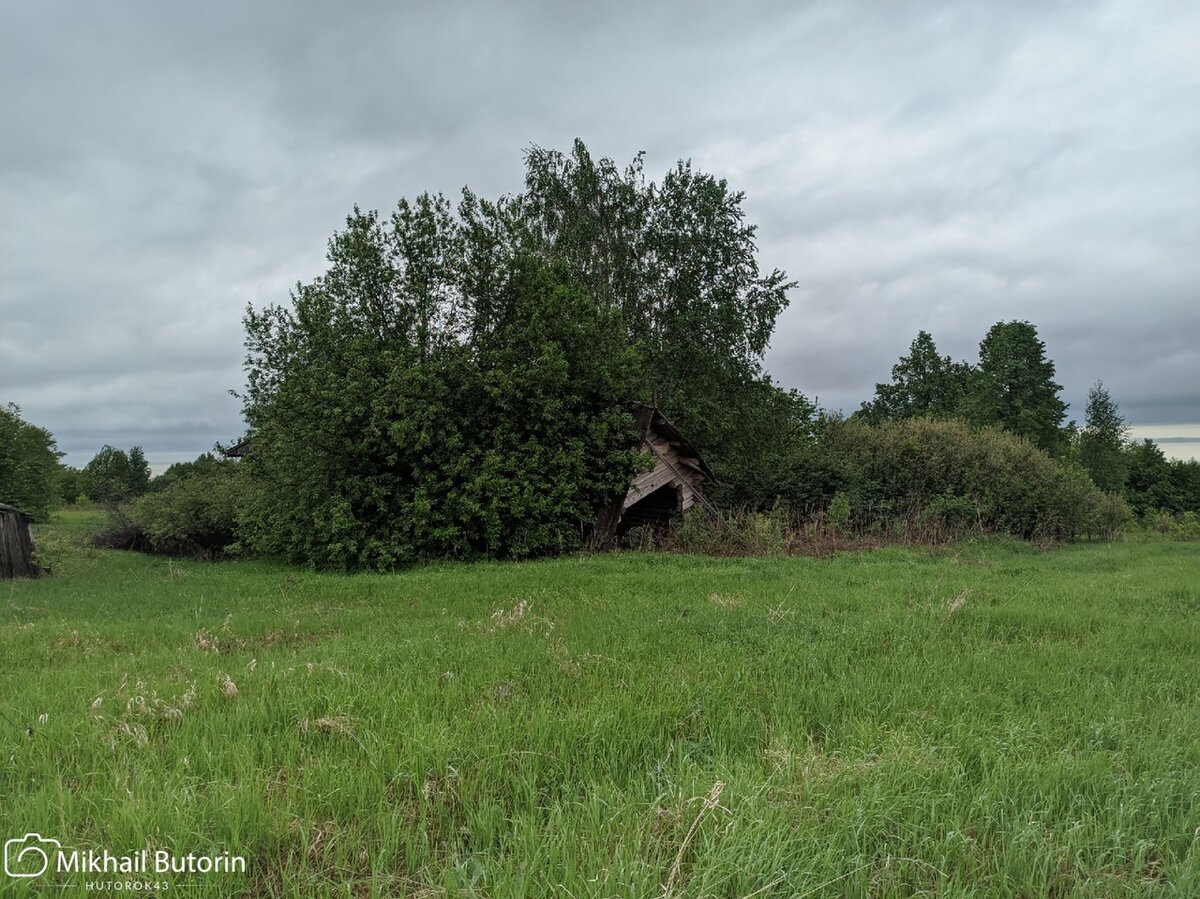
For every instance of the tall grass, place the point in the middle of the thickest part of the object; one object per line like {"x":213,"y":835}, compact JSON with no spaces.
{"x":990,"y":720}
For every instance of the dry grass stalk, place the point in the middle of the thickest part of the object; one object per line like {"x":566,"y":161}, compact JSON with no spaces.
{"x":958,"y":601}
{"x":780,"y":613}
{"x":710,"y":803}
{"x":206,"y":642}
{"x":724,"y":601}
{"x":338,"y":725}
{"x":522,"y":618}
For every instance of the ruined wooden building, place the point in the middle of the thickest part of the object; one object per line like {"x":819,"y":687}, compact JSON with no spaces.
{"x":668,"y":489}
{"x":16,"y":544}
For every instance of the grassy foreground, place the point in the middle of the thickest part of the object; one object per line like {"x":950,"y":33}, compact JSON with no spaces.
{"x":992,"y":721}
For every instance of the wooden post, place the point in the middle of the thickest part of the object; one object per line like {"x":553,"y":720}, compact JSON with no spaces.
{"x":16,"y":544}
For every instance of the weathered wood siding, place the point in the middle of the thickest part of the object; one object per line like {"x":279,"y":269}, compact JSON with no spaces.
{"x":669,"y":488}
{"x":16,"y":544}
{"x":669,"y":468}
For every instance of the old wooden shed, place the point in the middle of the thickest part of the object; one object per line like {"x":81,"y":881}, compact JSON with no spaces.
{"x":668,"y":489}
{"x":16,"y":544}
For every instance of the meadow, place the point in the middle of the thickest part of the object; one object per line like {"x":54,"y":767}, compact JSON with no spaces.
{"x":983,"y":720}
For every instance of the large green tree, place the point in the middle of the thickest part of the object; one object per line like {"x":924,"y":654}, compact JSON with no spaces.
{"x":1102,"y":440}
{"x":28,"y":465}
{"x":924,"y":383}
{"x":678,"y":261}
{"x":1014,"y":389}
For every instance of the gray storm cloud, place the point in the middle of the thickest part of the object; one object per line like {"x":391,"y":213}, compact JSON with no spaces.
{"x":937,"y":166}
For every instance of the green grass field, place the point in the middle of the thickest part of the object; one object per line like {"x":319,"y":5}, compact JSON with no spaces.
{"x":985,"y":721}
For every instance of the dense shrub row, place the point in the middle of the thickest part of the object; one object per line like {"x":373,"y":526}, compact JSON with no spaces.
{"x":912,"y":480}
{"x":955,"y":477}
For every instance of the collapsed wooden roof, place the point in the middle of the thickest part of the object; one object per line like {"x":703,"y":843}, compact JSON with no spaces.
{"x":656,"y":422}
{"x":668,"y":488}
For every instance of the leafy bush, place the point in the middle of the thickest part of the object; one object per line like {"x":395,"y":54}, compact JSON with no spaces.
{"x":1110,"y":515}
{"x":380,"y":442}
{"x":1189,"y":524}
{"x":192,"y":515}
{"x":839,"y":512}
{"x":953,"y":476}
{"x":203,"y":464}
{"x":69,"y":484}
{"x":949,"y":514}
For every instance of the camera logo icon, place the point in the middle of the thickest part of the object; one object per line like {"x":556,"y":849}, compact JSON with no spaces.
{"x":29,"y":856}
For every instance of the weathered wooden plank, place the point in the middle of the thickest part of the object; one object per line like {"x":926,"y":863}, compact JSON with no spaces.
{"x":16,"y":544}
{"x":657,"y":477}
{"x":692,"y":464}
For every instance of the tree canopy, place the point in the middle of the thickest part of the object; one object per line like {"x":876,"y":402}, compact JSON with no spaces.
{"x":461,"y":381}
{"x":114,"y":475}
{"x":676,"y":260}
{"x":924,"y":384}
{"x":28,"y":465}
{"x":381,"y":437}
{"x":1102,"y":440}
{"x":1014,"y":388}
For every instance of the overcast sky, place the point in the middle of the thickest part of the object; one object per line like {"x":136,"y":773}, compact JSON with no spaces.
{"x":912,"y":165}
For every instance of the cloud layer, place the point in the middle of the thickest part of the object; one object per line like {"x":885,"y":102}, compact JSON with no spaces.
{"x":937,"y":166}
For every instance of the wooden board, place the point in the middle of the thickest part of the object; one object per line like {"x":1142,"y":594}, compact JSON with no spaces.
{"x":16,"y":545}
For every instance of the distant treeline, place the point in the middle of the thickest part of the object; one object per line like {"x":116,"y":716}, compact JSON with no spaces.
{"x":1012,"y":388}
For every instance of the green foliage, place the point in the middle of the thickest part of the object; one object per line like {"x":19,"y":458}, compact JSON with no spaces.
{"x":768,"y":449}
{"x":114,"y":476}
{"x":1111,"y":515}
{"x":1148,"y":482}
{"x":678,"y":262}
{"x":1014,"y":389}
{"x":1185,"y":480}
{"x":461,"y":383}
{"x":1189,"y":525}
{"x":28,"y":465}
{"x":839,"y":512}
{"x":949,"y":513}
{"x":924,"y":383}
{"x":952,"y":472}
{"x":203,"y":464}
{"x":1159,"y":520}
{"x":1155,"y":484}
{"x":1102,"y":441}
{"x":193,"y":513}
{"x":70,"y":481}
{"x":386,"y":433}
